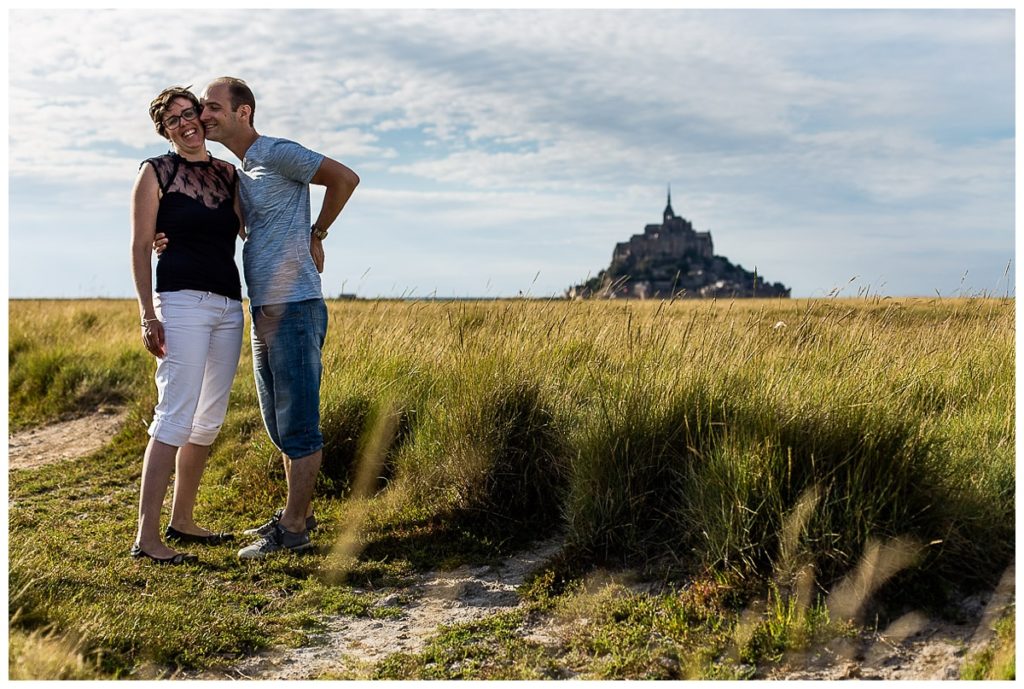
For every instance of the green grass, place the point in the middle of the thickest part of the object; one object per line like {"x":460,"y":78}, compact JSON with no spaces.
{"x":488,"y":649}
{"x":686,"y":439}
{"x":997,"y":661}
{"x":70,"y":357}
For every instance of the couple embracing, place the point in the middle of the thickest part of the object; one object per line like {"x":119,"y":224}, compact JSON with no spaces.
{"x":193,"y":206}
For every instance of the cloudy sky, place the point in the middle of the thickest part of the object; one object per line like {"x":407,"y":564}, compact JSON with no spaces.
{"x":507,"y":152}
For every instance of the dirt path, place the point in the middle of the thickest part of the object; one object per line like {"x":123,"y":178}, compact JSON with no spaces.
{"x":64,"y":440}
{"x":434,"y":599}
{"x":912,"y":648}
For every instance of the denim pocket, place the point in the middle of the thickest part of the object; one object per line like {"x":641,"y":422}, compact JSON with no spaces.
{"x":273,"y":311}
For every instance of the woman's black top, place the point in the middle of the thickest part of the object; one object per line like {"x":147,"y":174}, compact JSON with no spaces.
{"x":197,"y":214}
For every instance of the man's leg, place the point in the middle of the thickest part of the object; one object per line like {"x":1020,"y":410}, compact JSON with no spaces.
{"x":301,"y":482}
{"x":264,"y":332}
{"x":288,"y":476}
{"x":287,"y":345}
{"x":299,"y":366}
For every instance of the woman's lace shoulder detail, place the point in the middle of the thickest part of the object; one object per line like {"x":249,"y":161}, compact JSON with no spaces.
{"x":206,"y":182}
{"x":163,"y":166}
{"x":226,"y":170}
{"x":223,"y":165}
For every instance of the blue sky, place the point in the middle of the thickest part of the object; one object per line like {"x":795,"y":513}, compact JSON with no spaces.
{"x":507,"y":152}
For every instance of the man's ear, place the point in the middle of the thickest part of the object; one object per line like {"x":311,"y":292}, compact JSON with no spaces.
{"x":245,"y":111}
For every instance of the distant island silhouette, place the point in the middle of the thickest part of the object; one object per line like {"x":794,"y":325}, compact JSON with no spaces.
{"x":673,"y":259}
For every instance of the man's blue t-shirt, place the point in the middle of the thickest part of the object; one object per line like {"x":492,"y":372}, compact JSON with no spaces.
{"x":274,"y":187}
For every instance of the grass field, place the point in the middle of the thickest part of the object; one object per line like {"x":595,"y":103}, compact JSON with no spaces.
{"x":739,"y":451}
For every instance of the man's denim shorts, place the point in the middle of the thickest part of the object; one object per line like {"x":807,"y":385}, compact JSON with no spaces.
{"x":287,"y":340}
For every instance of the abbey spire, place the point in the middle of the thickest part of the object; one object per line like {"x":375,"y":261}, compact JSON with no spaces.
{"x":669,"y":213}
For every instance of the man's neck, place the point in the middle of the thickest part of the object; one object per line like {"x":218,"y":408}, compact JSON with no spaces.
{"x":240,"y":144}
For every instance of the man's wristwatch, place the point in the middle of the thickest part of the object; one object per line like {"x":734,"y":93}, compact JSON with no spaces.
{"x":317,"y":232}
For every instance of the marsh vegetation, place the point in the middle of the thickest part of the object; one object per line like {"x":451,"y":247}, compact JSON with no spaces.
{"x":784,"y":469}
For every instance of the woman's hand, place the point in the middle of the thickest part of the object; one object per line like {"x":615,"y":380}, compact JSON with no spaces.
{"x":153,"y":338}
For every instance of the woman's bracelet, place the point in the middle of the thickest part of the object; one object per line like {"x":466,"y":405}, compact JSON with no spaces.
{"x":147,"y":321}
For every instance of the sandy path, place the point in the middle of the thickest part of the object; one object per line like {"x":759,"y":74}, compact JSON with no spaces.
{"x":912,"y":648}
{"x":64,"y":440}
{"x":435,"y":598}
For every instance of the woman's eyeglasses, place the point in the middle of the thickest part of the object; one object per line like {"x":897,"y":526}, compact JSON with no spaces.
{"x":173,"y":121}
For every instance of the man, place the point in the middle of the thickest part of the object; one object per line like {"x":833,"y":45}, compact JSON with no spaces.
{"x":282,"y":259}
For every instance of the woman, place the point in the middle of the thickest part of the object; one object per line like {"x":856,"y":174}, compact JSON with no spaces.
{"x":194,"y":325}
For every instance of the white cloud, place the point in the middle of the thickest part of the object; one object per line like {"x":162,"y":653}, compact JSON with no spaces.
{"x":544,"y":123}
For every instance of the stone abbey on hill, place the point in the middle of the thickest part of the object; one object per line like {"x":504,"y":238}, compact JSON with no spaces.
{"x":673,"y":259}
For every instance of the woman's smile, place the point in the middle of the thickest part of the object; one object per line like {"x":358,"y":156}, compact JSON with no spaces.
{"x":192,"y":135}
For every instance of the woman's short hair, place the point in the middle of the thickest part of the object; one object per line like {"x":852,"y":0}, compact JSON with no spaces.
{"x":158,"y":108}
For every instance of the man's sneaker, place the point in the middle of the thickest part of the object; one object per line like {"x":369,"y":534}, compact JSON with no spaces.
{"x":264,"y":529}
{"x":277,"y":540}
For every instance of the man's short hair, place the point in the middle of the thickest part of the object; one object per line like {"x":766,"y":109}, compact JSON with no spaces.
{"x":240,"y":95}
{"x":158,"y":107}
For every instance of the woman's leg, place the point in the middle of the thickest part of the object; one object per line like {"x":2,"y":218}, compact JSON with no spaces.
{"x":156,"y":474}
{"x":179,"y":378}
{"x":225,"y":346}
{"x":187,"y":475}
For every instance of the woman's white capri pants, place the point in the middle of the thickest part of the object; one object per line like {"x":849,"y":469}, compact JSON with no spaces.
{"x":203,"y":340}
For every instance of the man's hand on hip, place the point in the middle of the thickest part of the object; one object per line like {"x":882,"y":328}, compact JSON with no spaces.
{"x":159,"y":243}
{"x":316,"y":250}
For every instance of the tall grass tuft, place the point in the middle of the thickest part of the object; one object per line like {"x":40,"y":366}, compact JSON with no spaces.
{"x":629,"y":475}
{"x":44,"y":654}
{"x":493,"y":455}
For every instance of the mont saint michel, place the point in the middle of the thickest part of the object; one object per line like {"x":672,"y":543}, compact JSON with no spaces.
{"x":672,"y":259}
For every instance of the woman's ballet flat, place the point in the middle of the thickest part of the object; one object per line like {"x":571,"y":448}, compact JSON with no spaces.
{"x":178,"y":559}
{"x":209,"y":539}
